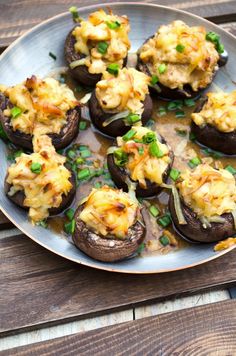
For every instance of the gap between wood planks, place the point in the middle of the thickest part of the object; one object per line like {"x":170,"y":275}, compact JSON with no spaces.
{"x":74,"y":327}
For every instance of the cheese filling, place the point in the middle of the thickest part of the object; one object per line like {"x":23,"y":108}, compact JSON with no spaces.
{"x":44,"y":189}
{"x":103,"y":39}
{"x":110,"y":211}
{"x":42,"y":105}
{"x":126,"y":91}
{"x":187,"y":56}
{"x":144,"y":159}
{"x":219,"y":111}
{"x":209,"y":192}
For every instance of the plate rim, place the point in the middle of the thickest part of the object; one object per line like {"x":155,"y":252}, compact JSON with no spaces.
{"x":93,"y":264}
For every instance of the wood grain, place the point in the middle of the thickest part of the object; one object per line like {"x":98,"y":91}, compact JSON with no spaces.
{"x":206,"y":330}
{"x":4,"y":222}
{"x":20,"y":15}
{"x":38,"y":287}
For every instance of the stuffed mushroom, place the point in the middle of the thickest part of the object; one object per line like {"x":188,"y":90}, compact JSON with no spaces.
{"x":97,"y":44}
{"x":39,"y":106}
{"x":214,"y":122}
{"x":143,"y":157}
{"x":120,"y":100}
{"x":109,"y":225}
{"x":40,"y":182}
{"x":203,"y":208}
{"x":180,"y":60}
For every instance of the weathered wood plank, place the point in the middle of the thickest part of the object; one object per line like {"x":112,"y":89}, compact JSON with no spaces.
{"x":20,"y":15}
{"x":38,"y":287}
{"x":206,"y":330}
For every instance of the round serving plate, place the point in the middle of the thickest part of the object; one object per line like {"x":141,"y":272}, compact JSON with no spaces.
{"x":30,"y":55}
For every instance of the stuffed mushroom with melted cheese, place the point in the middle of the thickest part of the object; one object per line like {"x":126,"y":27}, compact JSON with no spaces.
{"x":143,"y":157}
{"x":37,"y":107}
{"x":207,"y":204}
{"x":40,"y":182}
{"x":181,"y":60}
{"x":94,"y":45}
{"x":120,"y":100}
{"x":109,"y":225}
{"x":214,"y":122}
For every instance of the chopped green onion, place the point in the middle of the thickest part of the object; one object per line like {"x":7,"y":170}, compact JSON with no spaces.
{"x":212,"y":153}
{"x":2,"y":132}
{"x":194,"y":162}
{"x":215,"y":38}
{"x":161,"y":111}
{"x":174,"y":174}
{"x":82,"y":125}
{"x":162,"y":68}
{"x":231,"y":169}
{"x":107,"y":176}
{"x":164,"y":240}
{"x":70,"y":227}
{"x":180,"y":48}
{"x":149,"y":137}
{"x":173,"y":105}
{"x":133,"y":118}
{"x":192,"y":137}
{"x":85,"y":153}
{"x":14,"y":155}
{"x":83,"y":147}
{"x":36,"y":167}
{"x":97,"y":185}
{"x":70,"y":213}
{"x":74,"y":12}
{"x":165,"y":220}
{"x":189,"y":102}
{"x":53,"y":56}
{"x":129,"y":135}
{"x":84,"y":174}
{"x":154,"y":211}
{"x":141,"y":151}
{"x":155,"y":150}
{"x":179,"y":114}
{"x":79,"y":160}
{"x":120,"y":157}
{"x":102,"y":47}
{"x":140,"y":248}
{"x":15,"y":112}
{"x":71,"y":154}
{"x":113,"y":25}
{"x":154,"y":79}
{"x":113,"y":68}
{"x":181,"y":132}
{"x":42,"y":223}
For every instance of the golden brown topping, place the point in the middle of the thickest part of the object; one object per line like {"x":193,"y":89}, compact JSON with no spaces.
{"x":223,"y":245}
{"x":179,"y":55}
{"x":103,"y":38}
{"x":42,"y":177}
{"x":109,"y":211}
{"x":218,"y":111}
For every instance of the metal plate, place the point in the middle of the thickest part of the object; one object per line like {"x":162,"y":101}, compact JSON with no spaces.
{"x":29,"y":55}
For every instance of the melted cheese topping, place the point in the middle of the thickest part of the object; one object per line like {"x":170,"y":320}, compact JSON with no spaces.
{"x":44,"y":190}
{"x":43,"y":104}
{"x":109,"y":211}
{"x":223,"y":245}
{"x":95,"y":30}
{"x":219,"y":111}
{"x":209,"y":192}
{"x":127,"y":91}
{"x":194,"y":64}
{"x":142,"y":166}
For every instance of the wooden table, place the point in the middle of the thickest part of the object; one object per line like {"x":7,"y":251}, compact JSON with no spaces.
{"x":50,"y":305}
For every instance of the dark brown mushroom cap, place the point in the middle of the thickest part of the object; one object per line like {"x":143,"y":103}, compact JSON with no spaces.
{"x":166,"y":93}
{"x":19,"y":197}
{"x":209,"y":136}
{"x":106,"y":249}
{"x":119,"y":176}
{"x":80,"y":73}
{"x":61,"y":140}
{"x":193,"y":231}
{"x":118,"y":127}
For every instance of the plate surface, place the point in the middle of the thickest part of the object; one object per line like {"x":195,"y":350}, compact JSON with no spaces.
{"x":30,"y":55}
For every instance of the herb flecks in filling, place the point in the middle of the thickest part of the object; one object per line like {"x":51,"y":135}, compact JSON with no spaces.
{"x":110,"y":212}
{"x":145,"y":157}
{"x":219,"y":111}
{"x":103,"y":39}
{"x":184,"y":52}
